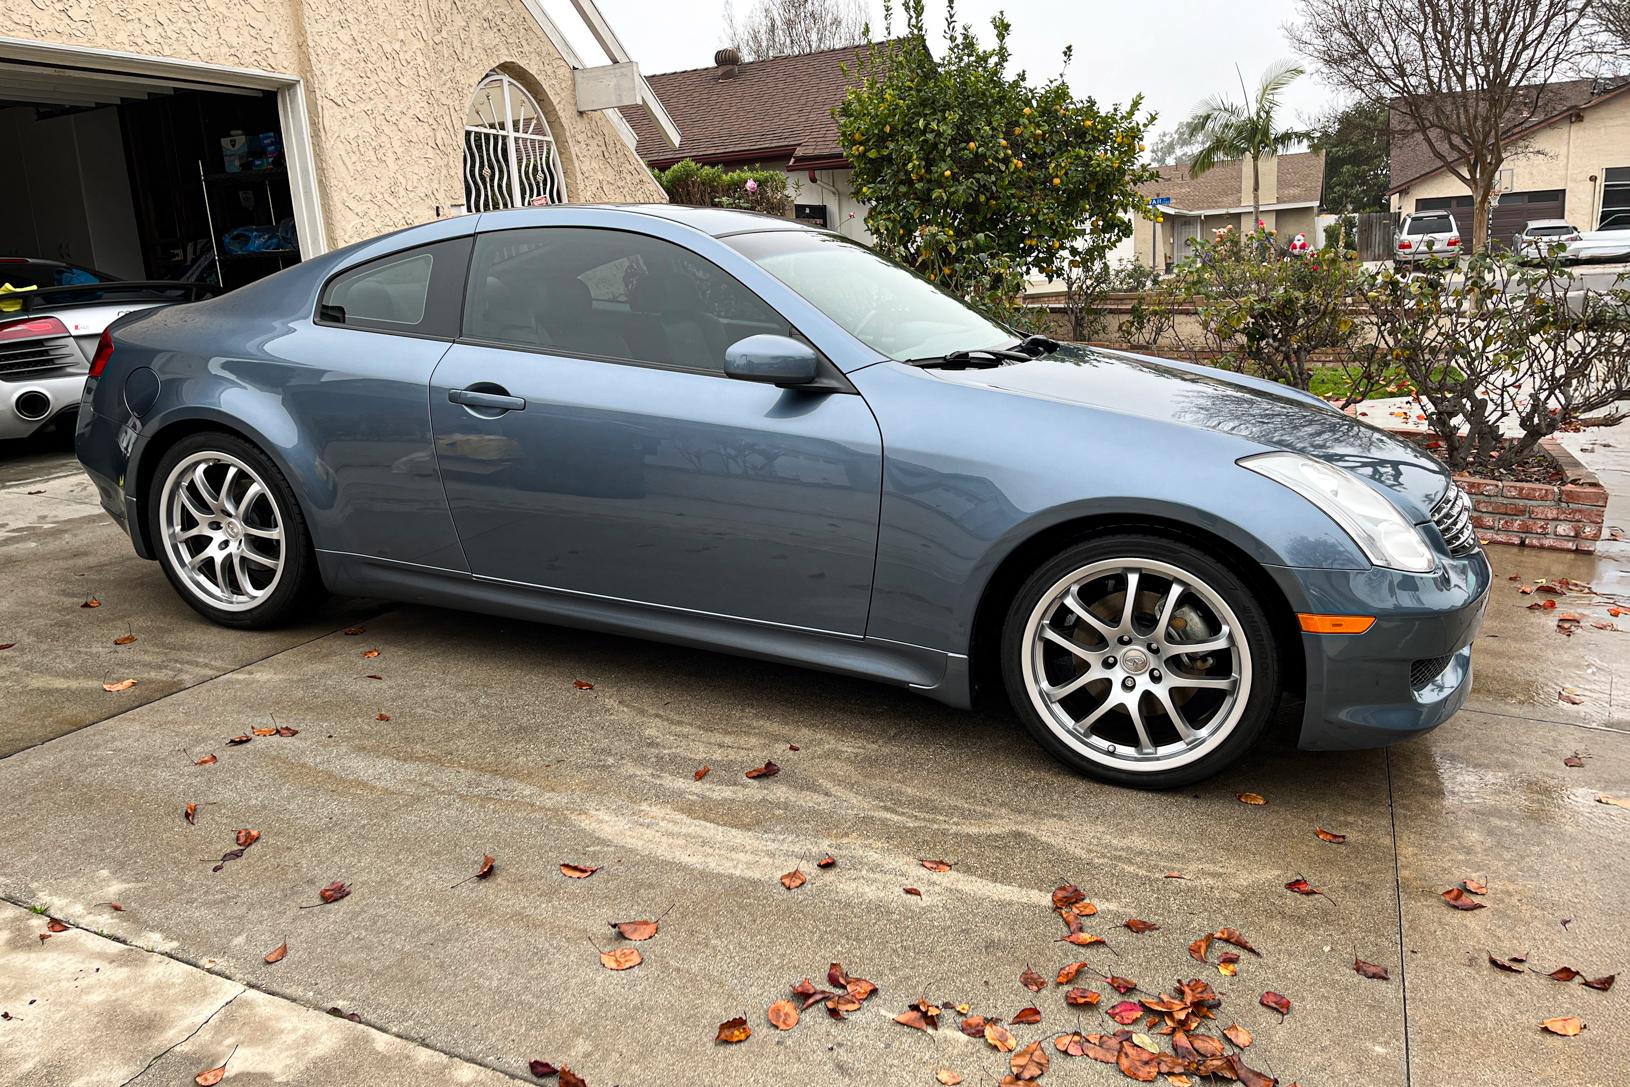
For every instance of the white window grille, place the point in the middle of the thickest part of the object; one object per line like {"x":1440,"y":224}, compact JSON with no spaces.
{"x":510,"y":158}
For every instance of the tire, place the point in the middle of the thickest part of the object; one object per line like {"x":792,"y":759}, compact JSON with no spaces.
{"x":1072,"y":687}
{"x":229,"y":533}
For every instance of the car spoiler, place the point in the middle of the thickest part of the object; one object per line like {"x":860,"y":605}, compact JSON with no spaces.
{"x":86,"y":294}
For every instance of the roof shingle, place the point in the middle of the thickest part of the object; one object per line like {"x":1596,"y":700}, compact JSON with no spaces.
{"x":782,"y":105}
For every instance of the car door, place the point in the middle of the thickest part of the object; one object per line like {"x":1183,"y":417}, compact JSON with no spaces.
{"x":589,"y":440}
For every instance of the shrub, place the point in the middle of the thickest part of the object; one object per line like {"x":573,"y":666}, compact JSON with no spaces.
{"x":689,"y":182}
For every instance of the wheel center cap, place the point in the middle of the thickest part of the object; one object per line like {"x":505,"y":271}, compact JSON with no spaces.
{"x":232,"y":529}
{"x":1135,"y":662}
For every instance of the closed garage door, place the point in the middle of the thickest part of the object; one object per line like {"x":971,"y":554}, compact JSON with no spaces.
{"x":1517,"y":208}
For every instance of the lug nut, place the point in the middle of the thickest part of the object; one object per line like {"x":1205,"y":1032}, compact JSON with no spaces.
{"x":1154,"y":648}
{"x":1125,"y":639}
{"x":1154,"y":675}
{"x":1129,"y":683}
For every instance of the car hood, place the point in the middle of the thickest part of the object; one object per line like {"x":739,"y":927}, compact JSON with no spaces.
{"x":1265,"y":414}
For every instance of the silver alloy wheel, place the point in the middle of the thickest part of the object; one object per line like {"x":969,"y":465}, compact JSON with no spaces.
{"x":1136,"y":664}
{"x":222,"y":531}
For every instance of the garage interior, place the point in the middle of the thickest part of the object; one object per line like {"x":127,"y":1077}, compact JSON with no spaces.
{"x":143,"y":177}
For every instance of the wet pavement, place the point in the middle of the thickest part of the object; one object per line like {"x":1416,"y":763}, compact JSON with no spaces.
{"x":490,"y":749}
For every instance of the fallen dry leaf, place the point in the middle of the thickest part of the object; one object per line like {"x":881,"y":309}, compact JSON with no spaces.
{"x":582,"y":685}
{"x":1140,"y":927}
{"x":1602,"y":984}
{"x":542,"y":1069}
{"x":1237,"y":1034}
{"x":794,"y":880}
{"x":276,"y":954}
{"x":1137,"y":1063}
{"x":285,"y":731}
{"x":1509,"y":966}
{"x":53,"y":925}
{"x":1032,"y":980}
{"x":1563,"y":973}
{"x":568,"y":1078}
{"x":207,"y":760}
{"x":333,"y":892}
{"x":370,"y":654}
{"x":947,"y":1077}
{"x":1370,"y":970}
{"x":1570,"y":696}
{"x":353,"y":631}
{"x":1029,"y":1062}
{"x":1457,"y":897}
{"x":1080,"y":998}
{"x":1573,"y":762}
{"x":768,"y":770}
{"x":1303,"y":887}
{"x":1126,"y":1012}
{"x":1277,"y":1002}
{"x":1253,"y":799}
{"x":1615,"y":801}
{"x":702,"y":771}
{"x":912,"y":891}
{"x":91,"y":602}
{"x":936,"y":866}
{"x":121,"y":685}
{"x":264,"y":731}
{"x":1000,"y":1038}
{"x":1067,"y":895}
{"x":209,"y":1077}
{"x":1084,"y":939}
{"x":1475,"y":886}
{"x":1026,"y":1016}
{"x":783,"y":1014}
{"x":1067,"y":972}
{"x":578,"y":871}
{"x":239,"y":741}
{"x":247,"y":838}
{"x":124,"y":639}
{"x":826,"y":862}
{"x":1565,"y":1025}
{"x":1121,"y":985}
{"x":733,"y":1031}
{"x":190,"y":814}
{"x":1329,"y":836}
{"x":373,"y":675}
{"x":380,"y":716}
{"x":621,"y":958}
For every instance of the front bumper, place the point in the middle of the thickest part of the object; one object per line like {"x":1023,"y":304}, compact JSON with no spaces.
{"x":1409,"y":672}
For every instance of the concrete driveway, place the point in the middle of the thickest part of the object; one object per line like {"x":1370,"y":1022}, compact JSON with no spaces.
{"x":491,"y":748}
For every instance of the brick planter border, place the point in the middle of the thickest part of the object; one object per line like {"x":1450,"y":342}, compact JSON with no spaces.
{"x":1566,"y":516}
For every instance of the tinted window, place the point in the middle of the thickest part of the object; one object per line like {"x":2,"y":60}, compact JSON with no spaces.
{"x":1549,"y":231}
{"x":1429,"y":224}
{"x":612,"y":294}
{"x":29,"y":274}
{"x":417,"y":291}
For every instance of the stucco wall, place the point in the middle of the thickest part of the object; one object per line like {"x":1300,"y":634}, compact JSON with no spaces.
{"x":387,"y":86}
{"x":1564,"y":156}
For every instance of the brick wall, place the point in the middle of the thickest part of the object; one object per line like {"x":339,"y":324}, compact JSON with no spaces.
{"x":1556,"y":516}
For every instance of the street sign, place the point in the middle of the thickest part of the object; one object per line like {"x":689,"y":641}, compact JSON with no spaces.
{"x":1161,"y":201}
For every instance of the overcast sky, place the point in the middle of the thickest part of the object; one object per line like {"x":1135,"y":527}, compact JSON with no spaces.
{"x":1175,"y":52}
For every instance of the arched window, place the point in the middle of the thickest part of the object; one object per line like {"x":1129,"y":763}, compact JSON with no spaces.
{"x":510,"y":160}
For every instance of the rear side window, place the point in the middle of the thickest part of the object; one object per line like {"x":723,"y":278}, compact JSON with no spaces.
{"x":609,"y":294}
{"x":1429,"y":224}
{"x":417,"y":292}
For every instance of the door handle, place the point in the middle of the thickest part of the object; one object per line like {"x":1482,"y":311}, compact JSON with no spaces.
{"x":485,"y":400}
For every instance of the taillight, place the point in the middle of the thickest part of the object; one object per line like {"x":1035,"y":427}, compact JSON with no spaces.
{"x":1453,"y":240}
{"x":32,"y":328}
{"x":104,"y":352}
{"x":1405,"y":244}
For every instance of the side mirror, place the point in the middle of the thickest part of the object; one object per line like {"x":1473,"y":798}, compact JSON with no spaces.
{"x":775,"y":360}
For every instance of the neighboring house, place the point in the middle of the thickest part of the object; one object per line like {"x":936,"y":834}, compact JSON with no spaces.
{"x":1568,"y":157}
{"x":138,"y":136}
{"x":1221,"y":197}
{"x":773,"y":114}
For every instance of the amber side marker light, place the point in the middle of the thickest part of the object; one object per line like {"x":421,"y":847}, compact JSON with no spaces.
{"x":1336,"y":624}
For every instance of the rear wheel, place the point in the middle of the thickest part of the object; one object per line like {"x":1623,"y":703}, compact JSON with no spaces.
{"x":1140,"y":660}
{"x":229,"y":532}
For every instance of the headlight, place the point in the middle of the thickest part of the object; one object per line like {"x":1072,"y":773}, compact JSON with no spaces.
{"x":1374,"y":523}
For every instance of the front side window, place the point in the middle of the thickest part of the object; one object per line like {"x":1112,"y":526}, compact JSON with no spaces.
{"x":609,"y":294}
{"x":416,"y":292}
{"x":883,"y":305}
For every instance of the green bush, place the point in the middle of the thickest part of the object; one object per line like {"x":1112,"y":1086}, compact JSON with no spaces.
{"x":689,"y":182}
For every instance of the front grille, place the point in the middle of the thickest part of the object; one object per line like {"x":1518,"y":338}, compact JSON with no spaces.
{"x":1453,"y":516}
{"x":1425,"y":670}
{"x":28,"y":356}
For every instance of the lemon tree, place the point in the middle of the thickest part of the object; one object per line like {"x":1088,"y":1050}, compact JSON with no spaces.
{"x":976,"y":177}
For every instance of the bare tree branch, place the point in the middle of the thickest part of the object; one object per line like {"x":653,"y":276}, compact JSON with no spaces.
{"x":779,"y":28}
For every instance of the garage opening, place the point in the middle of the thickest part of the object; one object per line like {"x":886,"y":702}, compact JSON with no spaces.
{"x":114,"y":176}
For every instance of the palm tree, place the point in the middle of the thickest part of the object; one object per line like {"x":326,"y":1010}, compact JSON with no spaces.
{"x":1227,"y":130}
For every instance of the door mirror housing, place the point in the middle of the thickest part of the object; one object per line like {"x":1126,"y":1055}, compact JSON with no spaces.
{"x":775,"y":360}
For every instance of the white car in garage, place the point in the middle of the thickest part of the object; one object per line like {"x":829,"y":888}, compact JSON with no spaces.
{"x":52,"y":316}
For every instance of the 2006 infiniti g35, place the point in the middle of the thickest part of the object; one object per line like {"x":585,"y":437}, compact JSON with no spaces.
{"x":724,"y":430}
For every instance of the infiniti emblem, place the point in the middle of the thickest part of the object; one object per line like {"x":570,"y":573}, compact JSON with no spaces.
{"x":1134,"y":661}
{"x":233,"y":530}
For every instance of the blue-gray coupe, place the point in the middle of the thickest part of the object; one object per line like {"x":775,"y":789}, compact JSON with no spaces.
{"x":731,"y":431}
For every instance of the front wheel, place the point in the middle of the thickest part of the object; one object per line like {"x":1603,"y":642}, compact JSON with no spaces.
{"x":1140,"y":660}
{"x":230,"y":534}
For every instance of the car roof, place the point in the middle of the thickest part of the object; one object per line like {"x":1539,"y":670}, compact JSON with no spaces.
{"x":1546,"y":222}
{"x":719,"y":222}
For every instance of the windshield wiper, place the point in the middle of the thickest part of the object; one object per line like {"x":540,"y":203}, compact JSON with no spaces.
{"x":981,"y":357}
{"x":1037,"y":345}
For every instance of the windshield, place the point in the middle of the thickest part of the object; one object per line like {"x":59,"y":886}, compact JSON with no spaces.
{"x":886,"y":307}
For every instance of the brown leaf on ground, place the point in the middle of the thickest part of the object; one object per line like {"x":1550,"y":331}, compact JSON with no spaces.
{"x":209,"y":1077}
{"x":733,"y":1031}
{"x":1329,"y":836}
{"x":286,"y":732}
{"x":1084,"y":939}
{"x":914,"y":1018}
{"x":53,"y":925}
{"x":1235,"y":937}
{"x":783,"y":1014}
{"x":1277,"y":1002}
{"x":1553,"y":590}
{"x":912,"y":891}
{"x":936,"y":866}
{"x":1570,"y":696}
{"x":334,"y":892}
{"x":1573,"y":762}
{"x":835,"y":975}
{"x":1073,"y":1044}
{"x":264,"y":731}
{"x":635,"y":930}
{"x":1140,"y":927}
{"x":190,"y":814}
{"x":1565,"y":1025}
{"x":999,"y":1037}
{"x":247,"y":838}
{"x":207,"y":760}
{"x":124,"y":639}
{"x":1029,"y":1062}
{"x":382,"y":716}
{"x":1475,"y":886}
{"x":1126,"y":1012}
{"x":1104,"y":1047}
{"x":839,"y":1004}
{"x":1067,"y":972}
{"x":1562,"y":973}
{"x":1253,"y":799}
{"x":826,"y":862}
{"x":768,"y":770}
{"x":353,"y":631}
{"x":1032,"y":980}
{"x":1237,"y":1034}
{"x":373,"y":675}
{"x":1175,"y":875}
{"x":91,"y":602}
{"x":542,"y":1069}
{"x":239,"y":741}
{"x":621,"y":958}
{"x":1370,"y":970}
{"x":341,"y":1013}
{"x":578,"y":871}
{"x":794,"y":879}
{"x":1457,"y":897}
{"x":1602,"y":984}
{"x":121,"y":685}
{"x":370,"y":654}
{"x":276,"y":954}
{"x":1026,"y":1016}
{"x":702,"y":771}
{"x":568,"y":1078}
{"x":1067,"y":895}
{"x":1137,"y":1063}
{"x":947,"y":1077}
{"x":1615,"y":801}
{"x":973,"y":1026}
{"x":1509,"y":967}
{"x":1199,"y":948}
{"x":1081,"y":998}
{"x":582,"y":685}
{"x":1303,"y":887}
{"x":859,"y":988}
